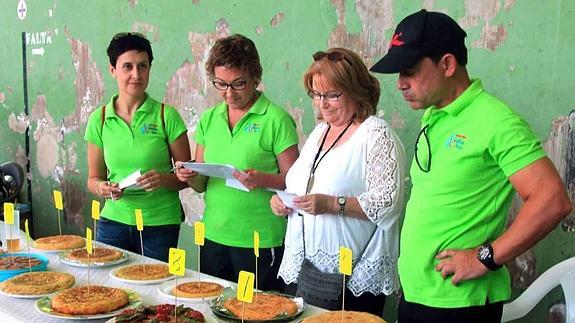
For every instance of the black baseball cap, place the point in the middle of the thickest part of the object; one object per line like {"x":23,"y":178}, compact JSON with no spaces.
{"x":422,"y":34}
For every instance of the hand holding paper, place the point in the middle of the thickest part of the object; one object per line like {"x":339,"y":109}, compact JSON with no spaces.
{"x":130,"y":181}
{"x":217,"y":170}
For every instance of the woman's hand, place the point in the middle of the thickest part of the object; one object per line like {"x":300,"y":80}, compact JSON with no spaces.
{"x":150,"y":181}
{"x":314,"y":203}
{"x":278,"y":207}
{"x":250,"y":178}
{"x":184,"y":174}
{"x":109,"y":190}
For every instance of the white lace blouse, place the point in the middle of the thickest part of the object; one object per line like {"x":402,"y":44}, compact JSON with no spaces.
{"x":370,"y":166}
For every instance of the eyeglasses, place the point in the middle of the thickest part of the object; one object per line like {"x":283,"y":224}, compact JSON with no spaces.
{"x":332,"y":56}
{"x":235,"y":85}
{"x":130,"y":33}
{"x":329,"y":96}
{"x":423,"y":159}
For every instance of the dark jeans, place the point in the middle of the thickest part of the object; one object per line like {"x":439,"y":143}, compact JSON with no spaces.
{"x":366,"y":302}
{"x":416,"y":313}
{"x":157,"y":239}
{"x":226,"y":262}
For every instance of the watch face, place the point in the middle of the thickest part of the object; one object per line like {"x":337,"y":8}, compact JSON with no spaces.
{"x":483,"y":252}
{"x":341,"y":200}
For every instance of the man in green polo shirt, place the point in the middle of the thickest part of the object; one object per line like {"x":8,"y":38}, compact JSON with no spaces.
{"x":472,"y":153}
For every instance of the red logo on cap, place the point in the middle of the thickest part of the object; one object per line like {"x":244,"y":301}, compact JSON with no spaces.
{"x":395,"y":41}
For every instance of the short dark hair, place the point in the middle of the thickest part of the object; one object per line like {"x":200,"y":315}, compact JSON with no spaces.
{"x":235,"y":51}
{"x":126,"y":41}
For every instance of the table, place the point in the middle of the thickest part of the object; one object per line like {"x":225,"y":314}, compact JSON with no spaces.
{"x":23,"y":310}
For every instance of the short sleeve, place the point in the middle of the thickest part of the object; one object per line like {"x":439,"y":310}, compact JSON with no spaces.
{"x":199,"y":136}
{"x":94,"y":126}
{"x":175,"y":125}
{"x":383,"y":200}
{"x":513,"y":145}
{"x":286,"y":135}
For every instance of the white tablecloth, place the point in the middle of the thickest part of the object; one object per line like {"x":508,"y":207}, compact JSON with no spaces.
{"x":23,"y":310}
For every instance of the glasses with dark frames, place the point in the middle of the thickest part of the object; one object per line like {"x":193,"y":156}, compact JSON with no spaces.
{"x":236,"y":85}
{"x":423,"y":156}
{"x":331,"y":56}
{"x":329,"y":96}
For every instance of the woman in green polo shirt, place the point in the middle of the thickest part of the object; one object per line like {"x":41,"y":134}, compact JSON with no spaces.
{"x":257,"y":137}
{"x":136,"y":132}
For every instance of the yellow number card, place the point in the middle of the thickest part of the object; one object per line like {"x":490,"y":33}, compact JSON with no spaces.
{"x":58,"y":200}
{"x":139,"y":220}
{"x":27,"y":230}
{"x":199,"y":233}
{"x":256,"y":244}
{"x":177,"y":261}
{"x":89,"y":240}
{"x":9,"y":213}
{"x":246,"y":286}
{"x":345,"y":260}
{"x":95,"y":210}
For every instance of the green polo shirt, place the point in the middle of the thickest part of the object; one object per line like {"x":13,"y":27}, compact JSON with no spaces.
{"x":142,"y":145}
{"x":264,"y":132}
{"x":477,"y":142}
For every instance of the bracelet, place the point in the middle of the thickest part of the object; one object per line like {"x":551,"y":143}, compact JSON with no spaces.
{"x":98,"y":188}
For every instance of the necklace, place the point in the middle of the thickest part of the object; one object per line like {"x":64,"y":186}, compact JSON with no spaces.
{"x":316,"y":162}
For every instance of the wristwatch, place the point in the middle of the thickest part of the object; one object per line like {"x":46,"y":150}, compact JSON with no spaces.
{"x":485,"y":255}
{"x":341,"y":202}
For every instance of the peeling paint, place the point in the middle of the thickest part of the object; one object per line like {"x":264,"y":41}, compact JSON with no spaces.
{"x":560,"y":147}
{"x":89,"y":85}
{"x":18,"y":123}
{"x":297,"y":114}
{"x":146,"y":29}
{"x":376,"y":17}
{"x":277,"y":19}
{"x":508,"y":4}
{"x":483,"y":12}
{"x":491,"y":37}
{"x":477,"y":12}
{"x":47,"y":138}
{"x":397,"y":122}
{"x":2,"y":97}
{"x":20,"y":157}
{"x":190,"y":90}
{"x":132,"y":3}
{"x":259,"y":30}
{"x":75,"y":201}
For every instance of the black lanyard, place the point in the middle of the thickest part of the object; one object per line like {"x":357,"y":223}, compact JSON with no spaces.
{"x":310,"y":179}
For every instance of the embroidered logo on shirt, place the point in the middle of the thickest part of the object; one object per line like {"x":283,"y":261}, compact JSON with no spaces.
{"x":455,"y":141}
{"x":252,"y":128}
{"x":149,"y":129}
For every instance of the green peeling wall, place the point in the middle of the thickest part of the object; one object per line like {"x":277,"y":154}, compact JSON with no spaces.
{"x":522,"y":50}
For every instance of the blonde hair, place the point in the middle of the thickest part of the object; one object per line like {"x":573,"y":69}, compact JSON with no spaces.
{"x":346,"y":71}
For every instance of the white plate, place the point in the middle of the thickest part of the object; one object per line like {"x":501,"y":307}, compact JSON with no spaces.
{"x":166,"y":289}
{"x":24,"y":295}
{"x":75,"y":263}
{"x":218,"y":309}
{"x":138,"y":282}
{"x":44,"y":306}
{"x":32,"y":249}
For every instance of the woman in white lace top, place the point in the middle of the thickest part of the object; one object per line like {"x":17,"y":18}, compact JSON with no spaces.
{"x":349,"y":182}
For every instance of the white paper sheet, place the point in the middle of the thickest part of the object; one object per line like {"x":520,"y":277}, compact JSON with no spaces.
{"x":129,"y":182}
{"x":217,"y":170}
{"x":287,"y":198}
